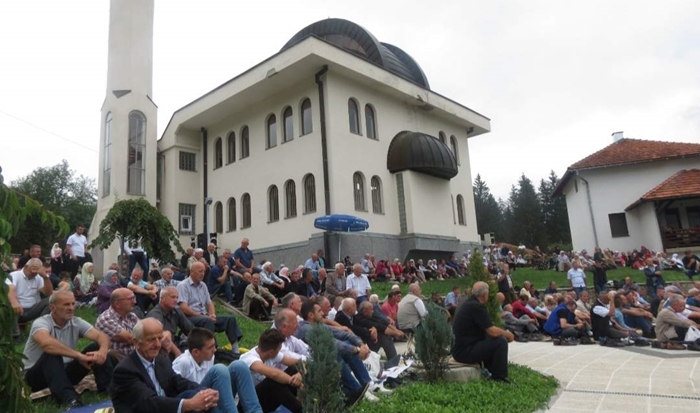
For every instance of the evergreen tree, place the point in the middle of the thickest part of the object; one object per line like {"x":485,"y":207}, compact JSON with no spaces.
{"x":526,"y":225}
{"x":477,"y":272}
{"x":434,"y":339}
{"x":488,"y":214}
{"x":506,"y":234}
{"x":321,"y":375}
{"x":560,"y":229}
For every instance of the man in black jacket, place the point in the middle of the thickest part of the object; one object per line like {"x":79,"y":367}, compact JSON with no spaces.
{"x":144,"y":382}
{"x":371,"y":332}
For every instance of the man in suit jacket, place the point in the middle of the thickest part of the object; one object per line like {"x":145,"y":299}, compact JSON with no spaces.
{"x":145,"y":381}
{"x":210,"y":255}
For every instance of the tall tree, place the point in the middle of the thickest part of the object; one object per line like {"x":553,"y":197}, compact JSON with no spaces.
{"x":506,"y":219}
{"x":526,"y":224}
{"x":558,"y":227}
{"x":59,"y":190}
{"x":488,"y":214}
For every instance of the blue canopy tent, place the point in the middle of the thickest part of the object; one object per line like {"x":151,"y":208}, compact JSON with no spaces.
{"x":341,"y":223}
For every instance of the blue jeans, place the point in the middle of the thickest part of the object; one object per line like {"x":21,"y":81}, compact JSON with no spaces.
{"x":635,"y":321}
{"x":690,"y":273}
{"x":347,"y":380}
{"x":600,"y":287}
{"x":357,"y":367}
{"x":140,"y":258}
{"x":578,"y":290}
{"x":235,"y":379}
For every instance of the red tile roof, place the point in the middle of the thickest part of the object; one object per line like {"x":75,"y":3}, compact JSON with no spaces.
{"x":627,"y":151}
{"x":683,"y":184}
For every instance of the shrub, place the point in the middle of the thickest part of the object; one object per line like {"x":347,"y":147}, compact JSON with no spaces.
{"x":478,"y":273}
{"x":434,"y":340}
{"x":321,"y":392}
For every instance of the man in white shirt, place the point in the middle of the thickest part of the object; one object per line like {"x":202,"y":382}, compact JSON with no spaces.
{"x":78,"y":243}
{"x":273,"y":386}
{"x":197,"y":364}
{"x":271,"y":281}
{"x":25,"y":285}
{"x":360,"y":283}
{"x":576,"y":277}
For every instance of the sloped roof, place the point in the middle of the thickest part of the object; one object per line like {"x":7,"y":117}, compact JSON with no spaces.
{"x":682,"y":184}
{"x":422,"y":153}
{"x":627,"y":152}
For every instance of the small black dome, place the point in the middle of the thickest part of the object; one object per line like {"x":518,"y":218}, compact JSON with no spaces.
{"x":422,"y":153}
{"x":356,"y":40}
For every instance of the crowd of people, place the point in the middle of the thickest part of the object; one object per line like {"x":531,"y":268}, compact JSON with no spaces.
{"x":154,"y":345}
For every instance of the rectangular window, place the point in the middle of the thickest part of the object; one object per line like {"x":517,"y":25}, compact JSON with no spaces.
{"x":188,"y":161}
{"x":693,"y":216}
{"x":618,"y":225}
{"x":673,"y":218}
{"x":187,"y":217}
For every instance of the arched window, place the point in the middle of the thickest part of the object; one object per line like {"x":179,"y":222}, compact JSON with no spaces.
{"x":273,"y":204}
{"x":309,"y":194}
{"x":136,"y":171}
{"x":288,"y":119}
{"x":461,"y":219}
{"x":107,"y":169}
{"x":245,"y":206}
{"x":290,"y":199}
{"x":370,"y":122}
{"x":353,"y":116}
{"x":442,"y":138}
{"x":358,"y":188}
{"x":218,"y":153}
{"x":231,"y":147}
{"x":245,"y":143}
{"x":219,"y":217}
{"x":306,"y":118}
{"x":232,"y":214}
{"x":271,"y":131}
{"x":376,"y":190}
{"x":454,"y":147}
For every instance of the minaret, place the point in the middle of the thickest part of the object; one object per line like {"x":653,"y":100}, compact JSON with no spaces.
{"x":128,"y":133}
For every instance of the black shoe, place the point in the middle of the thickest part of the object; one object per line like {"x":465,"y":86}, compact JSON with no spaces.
{"x":355,"y":398}
{"x":641,"y":343}
{"x":74,"y":404}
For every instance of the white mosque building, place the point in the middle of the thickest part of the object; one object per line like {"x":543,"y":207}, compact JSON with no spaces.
{"x":336,"y":122}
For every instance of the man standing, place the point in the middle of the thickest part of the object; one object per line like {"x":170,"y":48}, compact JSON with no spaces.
{"x":197,"y":364}
{"x":50,"y":356}
{"x":257,"y":301}
{"x":134,"y":250}
{"x":196,"y":304}
{"x":78,"y":244}
{"x":411,"y":309}
{"x":171,"y":317}
{"x":144,"y":382}
{"x":600,"y":276}
{"x":653,"y":275}
{"x":477,"y":340}
{"x":337,"y":282}
{"x":576,"y":277}
{"x":360,"y":283}
{"x":243,"y":258}
{"x":25,"y":285}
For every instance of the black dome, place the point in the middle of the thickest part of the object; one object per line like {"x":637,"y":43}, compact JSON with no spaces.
{"x":354,"y":39}
{"x":422,"y":153}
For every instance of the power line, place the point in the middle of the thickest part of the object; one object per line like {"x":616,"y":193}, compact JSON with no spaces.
{"x":47,"y":131}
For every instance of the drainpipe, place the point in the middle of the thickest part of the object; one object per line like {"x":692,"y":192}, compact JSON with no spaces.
{"x":205,"y":169}
{"x":590,"y":207}
{"x":324,"y":154}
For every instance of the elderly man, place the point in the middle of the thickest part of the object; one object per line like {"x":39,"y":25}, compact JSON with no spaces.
{"x":243,"y":258}
{"x":671,"y":324}
{"x":218,"y":281}
{"x":527,"y":286}
{"x":184,"y":260}
{"x":25,"y":286}
{"x":166,"y":279}
{"x":146,"y":294}
{"x":630,"y":285}
{"x":385,"y":332}
{"x":477,"y":340}
{"x":576,"y":277}
{"x":601,"y":313}
{"x":144,"y":382}
{"x":411,"y":309}
{"x":636,"y":316}
{"x":210,"y":255}
{"x":118,"y":321}
{"x":197,"y":257}
{"x":360,"y":283}
{"x":653,"y":275}
{"x":51,"y":359}
{"x":313,"y":264}
{"x":271,"y":281}
{"x":197,"y":364}
{"x":337,"y":282}
{"x":306,"y":285}
{"x":171,"y":318}
{"x":320,"y":282}
{"x":257,"y":301}
{"x":196,"y":304}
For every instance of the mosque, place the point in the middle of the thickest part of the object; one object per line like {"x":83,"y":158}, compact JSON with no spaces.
{"x":336,"y":122}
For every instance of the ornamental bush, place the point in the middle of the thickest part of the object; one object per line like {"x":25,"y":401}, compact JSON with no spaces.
{"x":478,"y":273}
{"x":321,"y":392}
{"x":434,"y":340}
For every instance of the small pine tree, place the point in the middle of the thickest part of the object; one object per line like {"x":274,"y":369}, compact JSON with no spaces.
{"x":434,"y":339}
{"x":478,"y":273}
{"x":321,"y":392}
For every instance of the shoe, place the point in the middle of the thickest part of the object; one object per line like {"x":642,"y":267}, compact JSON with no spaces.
{"x":521,"y":339}
{"x":371,"y":397}
{"x":641,"y":342}
{"x":586,"y":340}
{"x":74,"y":404}
{"x":357,"y":396}
{"x":556,"y":341}
{"x":570,"y":342}
{"x":614,"y":343}
{"x":379,"y":388}
{"x":672,"y":346}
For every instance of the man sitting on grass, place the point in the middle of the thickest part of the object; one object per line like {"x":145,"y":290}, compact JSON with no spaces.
{"x":197,"y":364}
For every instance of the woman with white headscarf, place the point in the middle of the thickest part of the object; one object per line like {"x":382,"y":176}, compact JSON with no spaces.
{"x":85,"y":285}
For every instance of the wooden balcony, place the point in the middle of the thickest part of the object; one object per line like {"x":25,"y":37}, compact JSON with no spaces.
{"x":680,"y":237}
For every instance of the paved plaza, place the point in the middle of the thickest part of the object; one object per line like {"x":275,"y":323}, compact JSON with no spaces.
{"x":603,"y":379}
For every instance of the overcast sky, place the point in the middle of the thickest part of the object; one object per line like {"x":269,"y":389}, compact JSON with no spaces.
{"x":556,"y":78}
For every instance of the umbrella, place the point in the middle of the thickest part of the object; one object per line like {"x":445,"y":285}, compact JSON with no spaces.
{"x":341,"y":223}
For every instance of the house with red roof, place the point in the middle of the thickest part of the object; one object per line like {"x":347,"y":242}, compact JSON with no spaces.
{"x":635,"y":192}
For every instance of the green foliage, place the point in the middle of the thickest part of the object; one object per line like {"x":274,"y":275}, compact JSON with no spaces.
{"x":526,"y":223}
{"x":489,"y":218}
{"x":59,"y":190}
{"x":434,"y":339}
{"x":321,"y":375}
{"x":14,"y":210}
{"x":137,"y":219}
{"x":478,"y":273}
{"x":554,"y":213}
{"x":531,"y":392}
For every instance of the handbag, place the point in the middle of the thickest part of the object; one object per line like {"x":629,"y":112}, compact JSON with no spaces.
{"x":693,"y":334}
